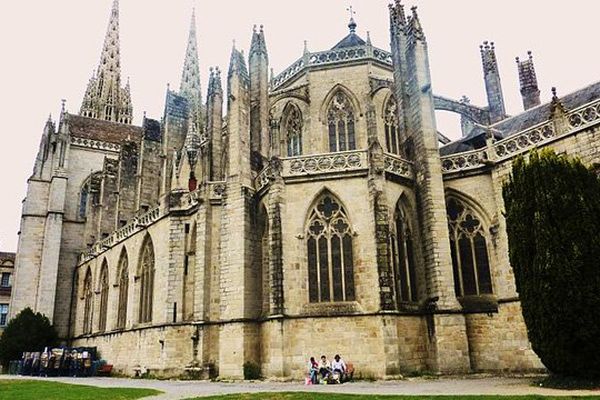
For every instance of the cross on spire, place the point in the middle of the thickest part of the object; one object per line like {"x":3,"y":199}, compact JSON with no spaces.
{"x":352,"y":24}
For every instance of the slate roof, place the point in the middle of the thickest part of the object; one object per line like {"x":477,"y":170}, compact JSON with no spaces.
{"x":352,"y":40}
{"x":106,"y":131}
{"x":521,"y":122}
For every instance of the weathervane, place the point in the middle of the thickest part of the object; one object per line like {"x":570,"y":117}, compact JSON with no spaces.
{"x":352,"y":25}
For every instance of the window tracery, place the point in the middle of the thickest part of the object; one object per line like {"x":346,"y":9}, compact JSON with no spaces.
{"x":123,"y":290}
{"x":469,"y":250}
{"x":392,"y":131}
{"x":146,"y":281}
{"x":403,"y":258}
{"x":88,"y":302}
{"x":293,"y":127}
{"x":103,"y":297}
{"x":330,"y":256}
{"x":341,"y":122}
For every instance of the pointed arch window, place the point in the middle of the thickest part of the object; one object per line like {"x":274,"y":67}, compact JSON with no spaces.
{"x":87,"y":302}
{"x":392,"y":132}
{"x":123,"y":290}
{"x":293,"y":125}
{"x":103,"y":296}
{"x":146,"y":274}
{"x":341,"y":122}
{"x":469,"y":250}
{"x":330,"y":256}
{"x":403,"y":258}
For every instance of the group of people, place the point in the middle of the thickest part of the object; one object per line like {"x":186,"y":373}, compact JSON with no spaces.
{"x":325,"y":371}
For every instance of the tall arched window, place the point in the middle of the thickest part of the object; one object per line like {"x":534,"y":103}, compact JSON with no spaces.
{"x":403,"y":258}
{"x":330,"y":258}
{"x":293,"y":130}
{"x":340,"y":119}
{"x":87,"y":302}
{"x":123,"y":277}
{"x":103,"y":296}
{"x":392,"y":133}
{"x":146,"y":274}
{"x":468,"y":245}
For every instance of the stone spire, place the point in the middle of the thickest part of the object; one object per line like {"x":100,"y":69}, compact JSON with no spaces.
{"x":528,"y":82}
{"x":258,"y":64}
{"x":190,"y":78}
{"x":105,"y":98}
{"x":493,"y":85}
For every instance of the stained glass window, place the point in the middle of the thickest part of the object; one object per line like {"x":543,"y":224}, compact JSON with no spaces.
{"x":403,"y":258}
{"x":330,"y":259}
{"x":103,"y":297}
{"x":392,"y":133}
{"x":469,"y":250}
{"x":88,"y":302}
{"x":293,"y":129}
{"x":341,"y":122}
{"x":123,"y":289}
{"x":146,"y":275}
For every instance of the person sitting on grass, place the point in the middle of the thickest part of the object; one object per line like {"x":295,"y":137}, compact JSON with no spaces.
{"x":324,"y":367}
{"x":338,"y":366}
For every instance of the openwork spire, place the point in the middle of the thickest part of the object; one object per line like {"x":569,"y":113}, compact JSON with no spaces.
{"x":105,"y":98}
{"x":190,"y":78}
{"x":530,"y":91}
{"x":488,"y":57}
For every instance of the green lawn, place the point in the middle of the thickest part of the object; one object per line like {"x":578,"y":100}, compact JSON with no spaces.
{"x":38,"y":390}
{"x":333,"y":396}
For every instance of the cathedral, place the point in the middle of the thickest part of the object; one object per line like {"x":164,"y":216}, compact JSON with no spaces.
{"x":317,"y":211}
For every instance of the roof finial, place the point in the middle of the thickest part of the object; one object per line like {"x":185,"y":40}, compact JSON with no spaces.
{"x":306,"y":47}
{"x":352,"y":24}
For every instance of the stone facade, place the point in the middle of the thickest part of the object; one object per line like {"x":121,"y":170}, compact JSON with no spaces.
{"x":323,"y":214}
{"x":7,"y":266}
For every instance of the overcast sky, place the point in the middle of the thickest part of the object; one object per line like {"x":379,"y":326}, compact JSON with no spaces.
{"x":50,"y":48}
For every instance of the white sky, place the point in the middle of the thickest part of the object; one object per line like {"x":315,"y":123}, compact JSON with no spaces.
{"x":50,"y":48}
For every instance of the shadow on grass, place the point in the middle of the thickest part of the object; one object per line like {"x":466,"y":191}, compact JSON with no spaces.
{"x":44,"y":390}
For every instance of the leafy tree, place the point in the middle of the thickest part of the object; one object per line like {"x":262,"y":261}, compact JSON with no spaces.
{"x":553,"y":224}
{"x":28,"y":331}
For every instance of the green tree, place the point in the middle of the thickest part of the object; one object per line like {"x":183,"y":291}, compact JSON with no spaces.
{"x":28,"y":331}
{"x":553,"y":224}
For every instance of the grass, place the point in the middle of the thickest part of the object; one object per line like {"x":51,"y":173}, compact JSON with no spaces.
{"x":34,"y":390}
{"x":333,"y":396}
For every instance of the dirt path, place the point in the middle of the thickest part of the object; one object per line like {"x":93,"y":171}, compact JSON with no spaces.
{"x":177,"y":390}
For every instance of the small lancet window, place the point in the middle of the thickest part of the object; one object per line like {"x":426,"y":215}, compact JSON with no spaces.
{"x":146,"y":274}
{"x":103,"y":296}
{"x":469,"y":250}
{"x":293,"y":129}
{"x":123,"y":290}
{"x":87,"y":302}
{"x":341,"y":122}
{"x":392,"y":133}
{"x":330,"y":255}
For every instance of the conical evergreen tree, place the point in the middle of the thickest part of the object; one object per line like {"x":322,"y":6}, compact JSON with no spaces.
{"x":553,"y":224}
{"x":28,"y":331}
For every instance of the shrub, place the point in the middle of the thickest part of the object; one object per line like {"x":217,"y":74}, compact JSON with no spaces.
{"x":553,"y":225}
{"x":251,"y":371}
{"x":28,"y":331}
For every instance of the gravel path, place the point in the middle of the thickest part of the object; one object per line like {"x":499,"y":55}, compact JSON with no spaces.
{"x":177,"y":390}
